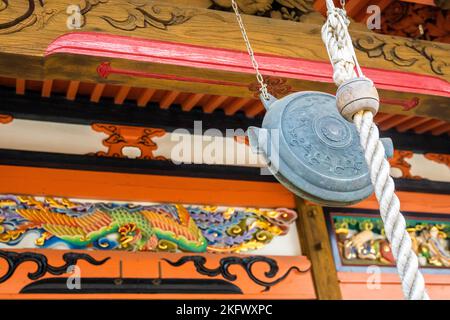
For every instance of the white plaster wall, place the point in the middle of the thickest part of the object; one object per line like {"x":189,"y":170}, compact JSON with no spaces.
{"x":30,"y":135}
{"x":50,"y":137}
{"x":421,"y":166}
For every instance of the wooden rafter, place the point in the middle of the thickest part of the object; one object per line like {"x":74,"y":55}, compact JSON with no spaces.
{"x":144,"y":57}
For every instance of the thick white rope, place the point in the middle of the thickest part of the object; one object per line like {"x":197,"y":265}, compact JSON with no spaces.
{"x":343,"y":58}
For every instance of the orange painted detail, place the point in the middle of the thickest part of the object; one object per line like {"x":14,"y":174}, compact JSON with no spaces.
{"x":354,"y":286}
{"x":121,"y":137}
{"x":249,"y":277}
{"x":145,"y":97}
{"x":72,"y":90}
{"x":4,"y":118}
{"x":47,"y":88}
{"x":143,"y":187}
{"x":439,"y":158}
{"x":242,"y":139}
{"x":398,"y":161}
{"x":191,"y":101}
{"x":413,"y":201}
{"x":20,"y":86}
{"x":97,"y":92}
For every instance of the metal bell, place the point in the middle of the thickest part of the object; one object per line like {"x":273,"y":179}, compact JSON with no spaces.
{"x":312,"y":150}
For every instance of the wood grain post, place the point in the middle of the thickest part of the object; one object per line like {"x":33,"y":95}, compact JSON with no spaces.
{"x":315,"y":244}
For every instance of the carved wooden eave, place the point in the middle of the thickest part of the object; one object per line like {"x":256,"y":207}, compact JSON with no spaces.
{"x":185,"y":47}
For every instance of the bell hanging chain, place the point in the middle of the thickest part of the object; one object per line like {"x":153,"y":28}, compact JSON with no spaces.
{"x":358,"y":101}
{"x":259,"y":77}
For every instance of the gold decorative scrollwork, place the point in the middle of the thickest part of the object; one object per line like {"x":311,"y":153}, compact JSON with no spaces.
{"x":143,"y":15}
{"x":404,"y":53}
{"x":37,"y":14}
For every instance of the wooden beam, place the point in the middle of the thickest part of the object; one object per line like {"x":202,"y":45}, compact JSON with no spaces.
{"x":429,"y":125}
{"x":72,"y":90}
{"x":191,"y":101}
{"x":142,"y":187}
{"x":97,"y":92}
{"x":393,"y":122}
{"x":315,"y":243}
{"x":47,"y":88}
{"x":415,"y":122}
{"x":253,"y":109}
{"x":121,"y":95}
{"x":441,"y":129}
{"x":205,"y":54}
{"x":168,"y":99}
{"x":145,"y":97}
{"x":214,"y":103}
{"x":236,"y":105}
{"x":20,"y":86}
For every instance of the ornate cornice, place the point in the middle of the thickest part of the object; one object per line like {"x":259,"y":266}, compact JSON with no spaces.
{"x":416,"y":21}
{"x":37,"y":14}
{"x":291,"y":10}
{"x":245,"y":262}
{"x":404,"y":52}
{"x":15,"y":259}
{"x":159,"y":16}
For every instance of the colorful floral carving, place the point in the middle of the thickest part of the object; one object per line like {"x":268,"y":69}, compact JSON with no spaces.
{"x":52,"y":222}
{"x":236,"y":230}
{"x":30,"y":222}
{"x":361,"y":240}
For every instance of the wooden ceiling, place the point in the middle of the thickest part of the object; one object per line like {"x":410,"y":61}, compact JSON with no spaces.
{"x":208,"y":103}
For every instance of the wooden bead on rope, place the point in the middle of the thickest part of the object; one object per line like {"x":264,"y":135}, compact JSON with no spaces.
{"x":358,"y":94}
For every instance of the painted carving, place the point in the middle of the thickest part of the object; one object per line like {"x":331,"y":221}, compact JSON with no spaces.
{"x":105,"y":69}
{"x":443,"y":4}
{"x":37,"y":14}
{"x":246,"y":263}
{"x":439,"y":158}
{"x":143,"y":15}
{"x":405,"y":52}
{"x":416,"y":21}
{"x":405,"y":104}
{"x":361,"y":240}
{"x":237,"y":230}
{"x":30,"y":222}
{"x":277,"y":87}
{"x":4,"y":118}
{"x":15,"y":259}
{"x":398,"y":161}
{"x":66,"y":224}
{"x":279,"y":9}
{"x":121,"y":137}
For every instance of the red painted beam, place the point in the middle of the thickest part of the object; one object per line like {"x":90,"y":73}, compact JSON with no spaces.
{"x":142,"y":50}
